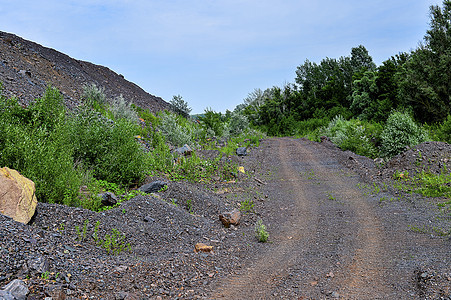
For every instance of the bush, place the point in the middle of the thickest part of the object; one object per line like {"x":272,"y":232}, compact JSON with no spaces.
{"x":177,"y":130}
{"x":443,"y":132}
{"x":94,"y":97}
{"x":400,"y":132}
{"x":352,"y":135}
{"x":238,"y":124}
{"x":39,"y":146}
{"x":120,"y":109}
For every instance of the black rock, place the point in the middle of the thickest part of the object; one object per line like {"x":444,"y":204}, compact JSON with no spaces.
{"x":108,"y":199}
{"x":153,"y":187}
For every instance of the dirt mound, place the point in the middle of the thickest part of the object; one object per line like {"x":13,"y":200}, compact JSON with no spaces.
{"x":432,"y":157}
{"x":27,"y":68}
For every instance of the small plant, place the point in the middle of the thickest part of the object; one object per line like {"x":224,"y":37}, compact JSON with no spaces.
{"x":61,"y":228}
{"x":375,"y":189}
{"x":82,"y":233}
{"x":95,"y":235}
{"x":330,"y":196}
{"x":45,"y":275}
{"x":189,"y":206}
{"x":260,"y":232}
{"x":115,"y":242}
{"x":418,"y":229}
{"x":247,"y":205}
{"x":401,"y":175}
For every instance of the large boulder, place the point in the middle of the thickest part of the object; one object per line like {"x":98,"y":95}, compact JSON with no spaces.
{"x":17,"y":197}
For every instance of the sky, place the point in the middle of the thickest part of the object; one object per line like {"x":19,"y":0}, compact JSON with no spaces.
{"x":215,"y":52}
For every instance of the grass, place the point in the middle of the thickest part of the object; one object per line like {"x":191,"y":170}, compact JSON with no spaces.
{"x":247,"y":206}
{"x":261,"y":233}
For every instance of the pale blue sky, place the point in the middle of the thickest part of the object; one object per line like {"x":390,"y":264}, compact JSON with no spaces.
{"x":214,"y":53}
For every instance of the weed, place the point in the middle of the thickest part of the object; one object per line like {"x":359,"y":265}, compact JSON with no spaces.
{"x":330,"y":196}
{"x":418,"y":229}
{"x":115,"y":242}
{"x":260,"y":232}
{"x":375,"y":189}
{"x":45,"y":275}
{"x":82,"y":233}
{"x":95,"y":235}
{"x":441,"y":232}
{"x":189,"y":206}
{"x":247,"y":206}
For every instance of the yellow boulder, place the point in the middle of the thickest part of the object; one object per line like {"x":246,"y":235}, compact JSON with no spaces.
{"x":17,"y":195}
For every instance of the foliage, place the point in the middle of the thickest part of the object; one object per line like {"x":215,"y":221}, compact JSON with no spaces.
{"x":114,"y":243}
{"x":177,"y":130}
{"x":443,"y":132}
{"x":120,"y":109}
{"x":212,"y":121}
{"x":247,"y":206}
{"x":94,"y":97}
{"x":351,"y":135}
{"x":35,"y":142}
{"x":180,"y":106}
{"x":400,"y":132}
{"x":260,"y":232}
{"x":425,"y":79}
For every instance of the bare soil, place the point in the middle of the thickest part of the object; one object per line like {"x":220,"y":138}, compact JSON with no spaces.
{"x":333,"y":235}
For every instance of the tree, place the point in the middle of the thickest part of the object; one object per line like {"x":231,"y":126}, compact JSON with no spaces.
{"x":425,"y":79}
{"x":180,"y":106}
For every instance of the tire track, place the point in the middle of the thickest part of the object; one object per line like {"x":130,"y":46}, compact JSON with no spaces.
{"x":302,"y":241}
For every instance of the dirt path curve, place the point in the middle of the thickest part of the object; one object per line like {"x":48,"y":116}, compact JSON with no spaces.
{"x":326,"y":239}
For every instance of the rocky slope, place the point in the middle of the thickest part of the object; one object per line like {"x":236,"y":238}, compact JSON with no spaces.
{"x":27,"y":68}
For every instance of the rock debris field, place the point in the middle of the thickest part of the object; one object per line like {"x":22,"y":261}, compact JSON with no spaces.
{"x":332,"y":235}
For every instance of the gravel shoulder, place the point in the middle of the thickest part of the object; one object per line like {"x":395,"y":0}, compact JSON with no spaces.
{"x":331,"y":235}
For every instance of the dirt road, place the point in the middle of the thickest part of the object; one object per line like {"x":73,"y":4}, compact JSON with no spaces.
{"x":330,"y":237}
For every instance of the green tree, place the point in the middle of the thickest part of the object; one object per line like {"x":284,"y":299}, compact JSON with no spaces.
{"x":425,"y":79}
{"x":180,"y":106}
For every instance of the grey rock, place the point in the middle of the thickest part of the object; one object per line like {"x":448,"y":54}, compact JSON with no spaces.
{"x":18,"y":289}
{"x":185,"y":150}
{"x":108,"y":199}
{"x":39,"y":264}
{"x":4,"y":295}
{"x":241,"y":151}
{"x":149,"y":219}
{"x":153,"y":187}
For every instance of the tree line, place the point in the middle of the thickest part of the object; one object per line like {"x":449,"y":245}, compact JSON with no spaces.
{"x":354,"y":87}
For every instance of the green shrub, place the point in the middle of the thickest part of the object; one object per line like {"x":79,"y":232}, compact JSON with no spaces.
{"x":120,"y":109}
{"x":94,"y":97}
{"x":400,"y":132}
{"x":351,"y":135}
{"x":123,"y":161}
{"x":238,"y":124}
{"x":39,"y":147}
{"x":443,"y":132}
{"x":177,"y":130}
{"x":260,"y":232}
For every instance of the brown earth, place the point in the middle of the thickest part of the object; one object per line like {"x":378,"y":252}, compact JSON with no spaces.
{"x":332,"y":236}
{"x":27,"y":69}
